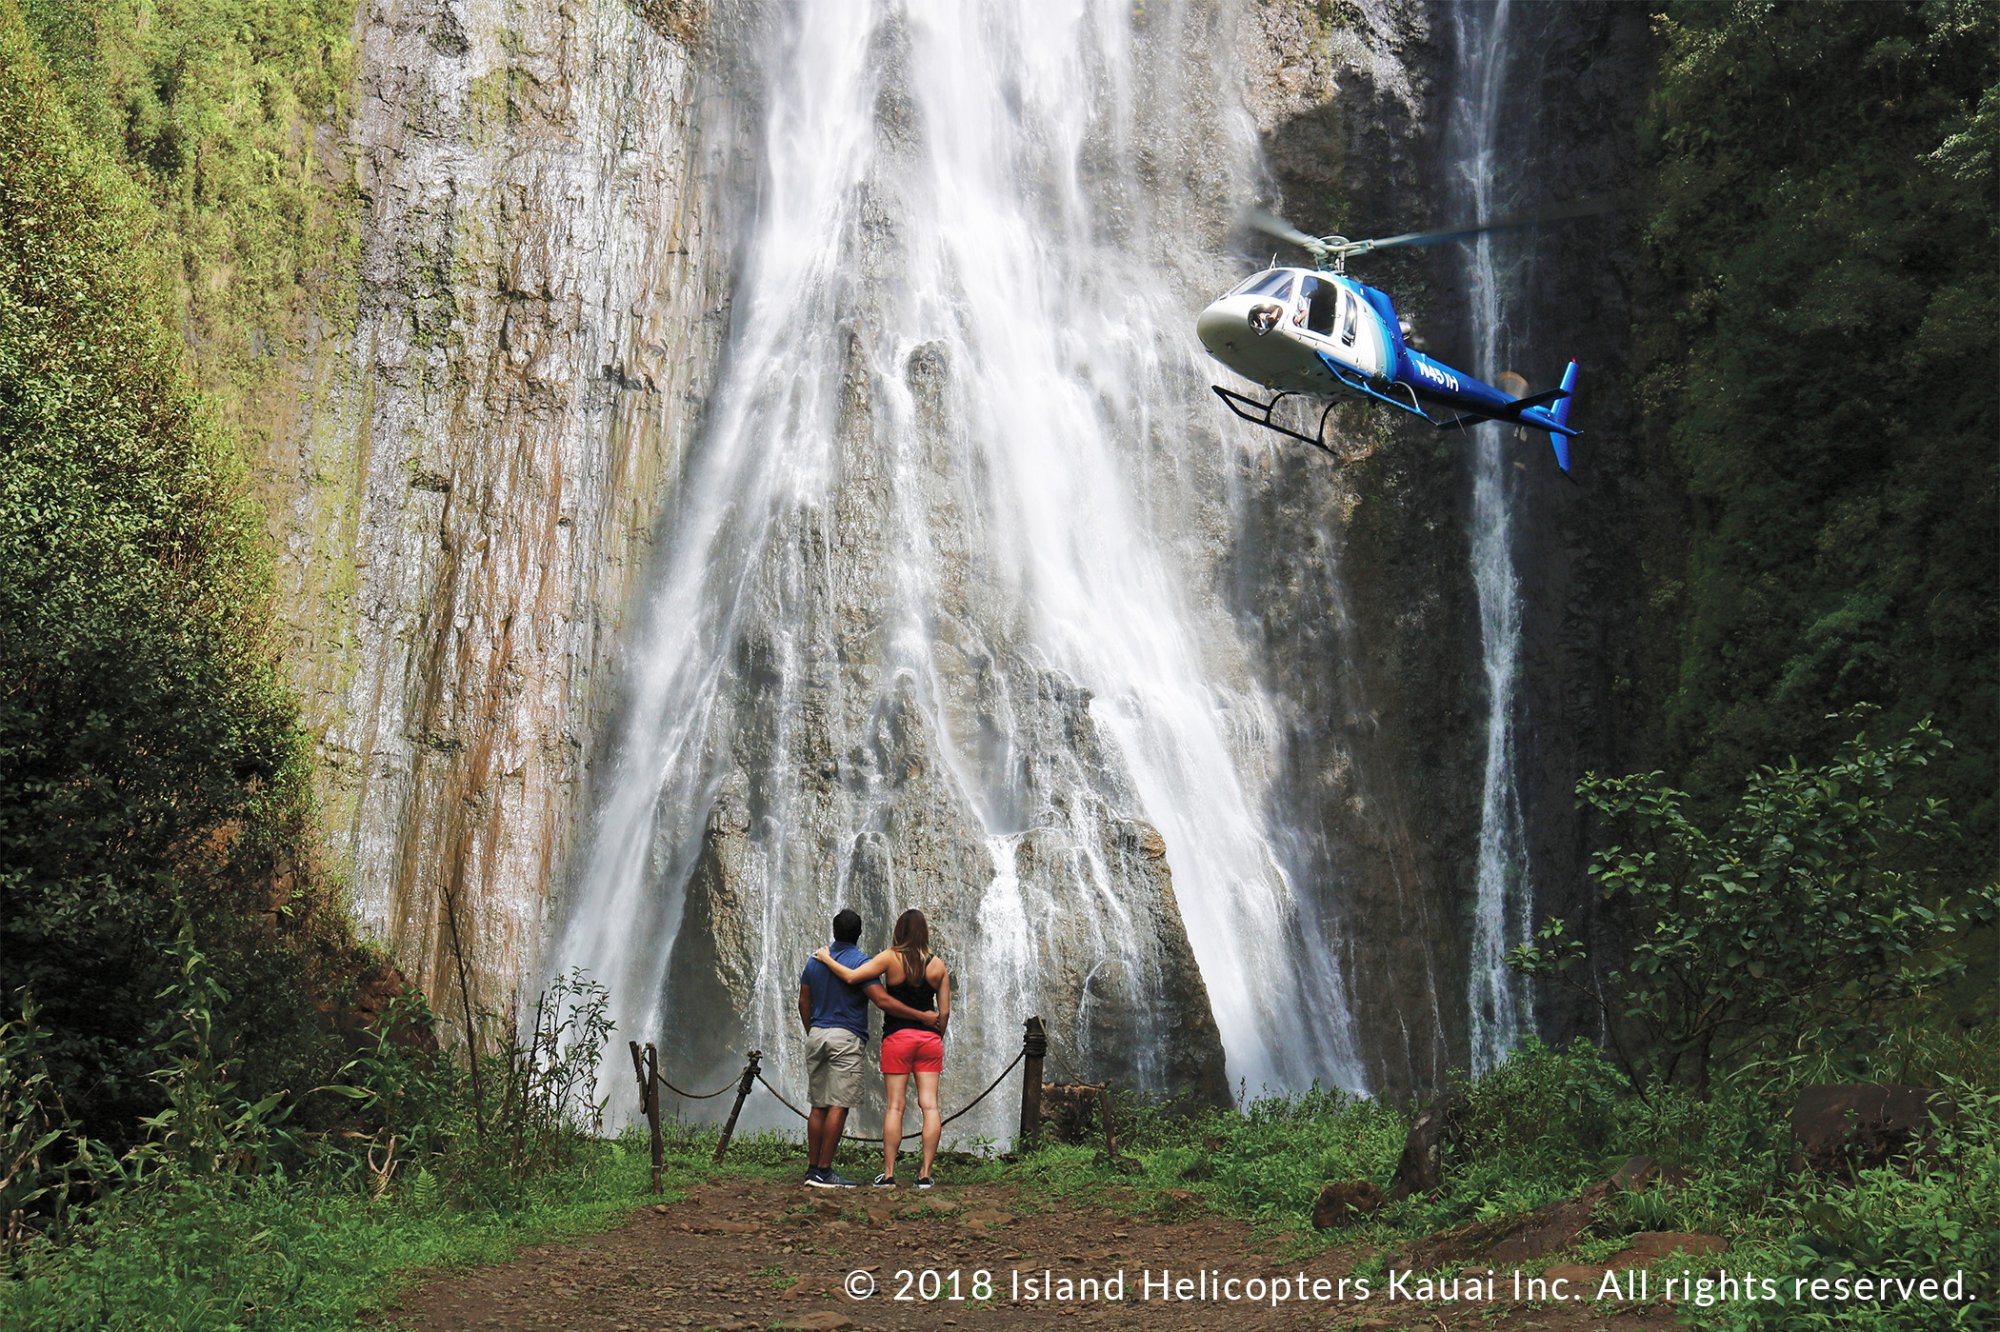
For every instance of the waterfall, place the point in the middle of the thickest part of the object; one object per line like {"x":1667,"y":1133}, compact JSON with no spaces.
{"x":1503,"y":892}
{"x":934,"y":617}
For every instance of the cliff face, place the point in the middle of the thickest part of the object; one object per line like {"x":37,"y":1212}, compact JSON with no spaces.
{"x":1570,"y":115}
{"x":1360,"y":574}
{"x":1355,"y":570}
{"x":943,"y":562}
{"x":468,"y":487}
{"x":1123,"y":722}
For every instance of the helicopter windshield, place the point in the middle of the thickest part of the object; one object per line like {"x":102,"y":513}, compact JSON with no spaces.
{"x":1273,"y":282}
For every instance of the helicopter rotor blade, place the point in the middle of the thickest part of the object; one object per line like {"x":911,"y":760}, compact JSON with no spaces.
{"x":1583,"y":208}
{"x":1272,"y":225}
{"x":1320,"y":246}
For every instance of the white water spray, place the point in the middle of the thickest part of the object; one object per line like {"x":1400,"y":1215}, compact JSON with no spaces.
{"x":936,"y":593}
{"x":1503,"y":886}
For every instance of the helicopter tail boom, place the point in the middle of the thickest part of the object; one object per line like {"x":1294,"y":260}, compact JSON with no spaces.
{"x":1547,"y":411}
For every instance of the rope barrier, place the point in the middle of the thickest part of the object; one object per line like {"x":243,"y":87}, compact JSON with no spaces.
{"x":849,"y":1137}
{"x":690,"y":1095}
{"x":989,"y":1088}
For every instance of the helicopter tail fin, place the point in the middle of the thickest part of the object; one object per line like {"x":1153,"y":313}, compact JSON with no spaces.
{"x":1560,"y":414}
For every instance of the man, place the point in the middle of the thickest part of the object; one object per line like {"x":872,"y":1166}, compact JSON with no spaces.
{"x":835,"y":1015}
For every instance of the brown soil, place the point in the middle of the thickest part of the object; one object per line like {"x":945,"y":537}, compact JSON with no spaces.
{"x":747,"y":1254}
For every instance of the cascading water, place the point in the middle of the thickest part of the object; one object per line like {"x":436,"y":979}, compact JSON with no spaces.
{"x":1503,"y":897}
{"x":934,"y":621}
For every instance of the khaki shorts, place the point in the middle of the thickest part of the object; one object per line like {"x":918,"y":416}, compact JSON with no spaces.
{"x":836,"y":1061}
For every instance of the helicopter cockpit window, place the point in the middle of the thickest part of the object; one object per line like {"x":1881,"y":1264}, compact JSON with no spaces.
{"x":1350,"y":315}
{"x":1272,"y":282}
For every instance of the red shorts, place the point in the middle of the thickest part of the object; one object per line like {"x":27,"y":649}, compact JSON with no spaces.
{"x":913,"y":1050}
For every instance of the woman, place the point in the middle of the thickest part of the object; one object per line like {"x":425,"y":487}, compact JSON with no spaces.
{"x":920,"y":980}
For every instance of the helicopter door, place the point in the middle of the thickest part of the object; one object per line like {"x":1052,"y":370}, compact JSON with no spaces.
{"x":1358,"y":340}
{"x":1317,"y":305}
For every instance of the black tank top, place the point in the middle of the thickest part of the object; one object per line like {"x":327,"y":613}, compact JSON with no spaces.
{"x":915,"y":991}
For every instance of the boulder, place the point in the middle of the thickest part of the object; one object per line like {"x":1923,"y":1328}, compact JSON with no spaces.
{"x":1509,"y":1242}
{"x":1850,"y":1126}
{"x":382,"y":993}
{"x":1635,"y":1174}
{"x":1350,"y":1200}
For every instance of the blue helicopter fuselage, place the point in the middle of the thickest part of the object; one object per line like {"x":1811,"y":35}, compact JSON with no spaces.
{"x":1302,"y":331}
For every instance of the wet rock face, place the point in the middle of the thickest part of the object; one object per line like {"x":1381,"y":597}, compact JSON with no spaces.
{"x":1577,"y":105}
{"x":1357,"y":571}
{"x":483,"y":447}
{"x":1353,"y":569}
{"x":900,"y":714}
{"x":501,"y":435}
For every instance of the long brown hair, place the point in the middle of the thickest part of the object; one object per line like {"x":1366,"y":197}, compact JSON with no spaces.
{"x":912,"y":943}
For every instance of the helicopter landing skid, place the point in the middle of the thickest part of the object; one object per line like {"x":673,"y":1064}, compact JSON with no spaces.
{"x":1259,"y":414}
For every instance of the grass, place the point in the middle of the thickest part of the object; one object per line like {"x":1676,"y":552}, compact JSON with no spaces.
{"x":304,"y":1253}
{"x":319,"y":1250}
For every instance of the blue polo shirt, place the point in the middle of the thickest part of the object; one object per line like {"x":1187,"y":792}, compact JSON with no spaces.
{"x":835,"y":1003}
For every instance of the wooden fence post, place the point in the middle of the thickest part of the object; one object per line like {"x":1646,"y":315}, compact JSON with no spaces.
{"x":1104,"y":1113}
{"x":742,"y":1093}
{"x":1035,"y":1046}
{"x":653,"y":1112}
{"x":646,"y":1068}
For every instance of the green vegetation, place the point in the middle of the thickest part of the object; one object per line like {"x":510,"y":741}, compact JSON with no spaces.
{"x":157,"y":777}
{"x":1805,"y":925}
{"x":298,"y":1253}
{"x":1824,"y":319}
{"x":216,"y":111}
{"x":1550,"y":1123}
{"x":232,"y":1214}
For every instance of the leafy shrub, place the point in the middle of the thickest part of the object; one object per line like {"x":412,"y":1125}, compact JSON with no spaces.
{"x":44,"y":1160}
{"x":1794,"y":927}
{"x":1929,"y":1214}
{"x":1839,"y":537}
{"x":1556,"y":1107}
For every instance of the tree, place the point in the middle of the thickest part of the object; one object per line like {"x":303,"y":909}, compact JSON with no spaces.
{"x":1792,"y":925}
{"x":1819,"y":335}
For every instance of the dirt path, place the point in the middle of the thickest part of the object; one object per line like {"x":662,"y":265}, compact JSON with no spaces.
{"x":747,"y":1254}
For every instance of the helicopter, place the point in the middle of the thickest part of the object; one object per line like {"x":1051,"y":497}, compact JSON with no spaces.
{"x":1318,"y":333}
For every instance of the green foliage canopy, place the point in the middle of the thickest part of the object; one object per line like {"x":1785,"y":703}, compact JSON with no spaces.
{"x":217,"y":110}
{"x":1787,"y":929}
{"x":152,"y":768}
{"x":1822,"y":341}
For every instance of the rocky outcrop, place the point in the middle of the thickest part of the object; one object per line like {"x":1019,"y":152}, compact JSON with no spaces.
{"x":1428,"y":1145}
{"x":493,"y":416}
{"x":1345,"y":1203}
{"x":1843,"y":1127}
